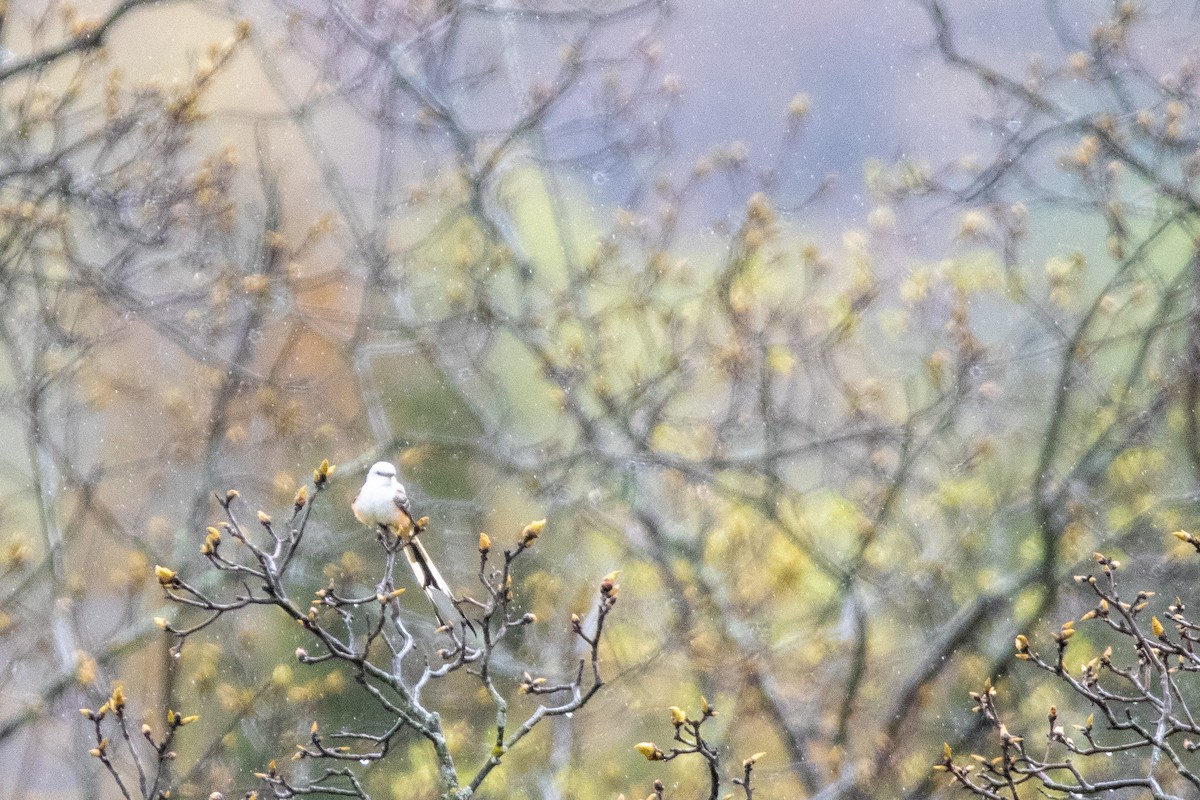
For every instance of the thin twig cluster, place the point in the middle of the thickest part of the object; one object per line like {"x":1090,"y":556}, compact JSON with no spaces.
{"x":690,"y":741}
{"x":149,"y":757}
{"x":368,"y":635}
{"x":1135,"y":740}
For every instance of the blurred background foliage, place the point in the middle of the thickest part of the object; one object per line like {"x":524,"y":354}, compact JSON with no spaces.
{"x":847,"y":334}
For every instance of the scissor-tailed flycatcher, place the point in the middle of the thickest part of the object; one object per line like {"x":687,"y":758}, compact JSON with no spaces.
{"x":383,"y":503}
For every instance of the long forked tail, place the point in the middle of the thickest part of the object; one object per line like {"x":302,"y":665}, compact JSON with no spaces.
{"x":433,"y":584}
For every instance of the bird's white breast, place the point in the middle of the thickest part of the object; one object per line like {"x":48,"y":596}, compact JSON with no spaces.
{"x":376,"y":504}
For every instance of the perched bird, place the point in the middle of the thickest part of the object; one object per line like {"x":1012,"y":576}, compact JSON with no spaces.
{"x":383,"y":503}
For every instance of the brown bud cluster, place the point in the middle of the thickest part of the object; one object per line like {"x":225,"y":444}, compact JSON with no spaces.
{"x":609,"y":588}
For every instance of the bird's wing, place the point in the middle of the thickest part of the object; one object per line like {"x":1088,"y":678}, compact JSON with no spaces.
{"x":401,"y":501}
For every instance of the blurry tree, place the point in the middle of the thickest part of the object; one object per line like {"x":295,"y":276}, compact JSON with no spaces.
{"x":839,"y":470}
{"x":1098,"y":139}
{"x":115,"y":231}
{"x":147,"y":342}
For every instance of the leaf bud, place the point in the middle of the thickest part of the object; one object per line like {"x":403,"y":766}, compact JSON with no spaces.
{"x":532,"y":531}
{"x":649,"y":750}
{"x":608,"y":582}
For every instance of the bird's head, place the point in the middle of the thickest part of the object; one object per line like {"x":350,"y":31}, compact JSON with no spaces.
{"x":381,"y":472}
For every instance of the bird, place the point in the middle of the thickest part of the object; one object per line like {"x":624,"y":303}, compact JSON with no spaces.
{"x":382,"y":503}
